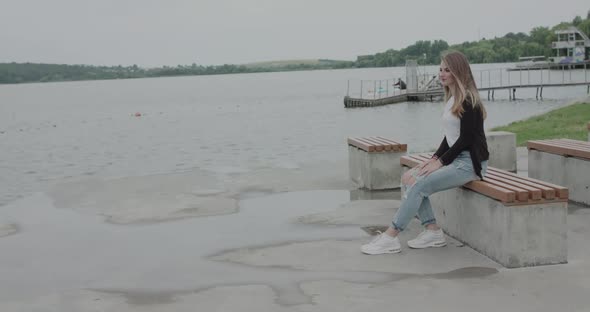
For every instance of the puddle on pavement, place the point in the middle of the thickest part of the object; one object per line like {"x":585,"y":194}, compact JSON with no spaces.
{"x":84,"y":251}
{"x":62,"y":249}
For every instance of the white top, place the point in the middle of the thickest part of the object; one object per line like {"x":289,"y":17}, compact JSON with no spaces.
{"x":451,"y":123}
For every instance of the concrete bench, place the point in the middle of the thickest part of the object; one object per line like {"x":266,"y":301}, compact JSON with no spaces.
{"x":373,"y":162}
{"x":562,"y":161}
{"x":514,"y":220}
{"x":502,"y":147}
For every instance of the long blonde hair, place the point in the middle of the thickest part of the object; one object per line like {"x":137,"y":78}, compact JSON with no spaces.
{"x":464,"y":87}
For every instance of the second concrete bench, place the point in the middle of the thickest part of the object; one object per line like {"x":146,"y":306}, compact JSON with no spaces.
{"x":373,"y":162}
{"x":562,"y":161}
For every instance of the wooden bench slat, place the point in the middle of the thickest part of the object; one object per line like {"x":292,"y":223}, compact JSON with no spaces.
{"x":563,"y":142}
{"x":355,"y":143}
{"x":560,"y":191}
{"x":362,"y":144}
{"x":534,"y":193}
{"x":583,"y":146}
{"x":408,"y":161}
{"x":521,"y":194}
{"x":546,"y":192}
{"x":376,"y":144}
{"x":386,"y":145}
{"x":556,"y":149}
{"x":416,"y":157}
{"x":424,"y":157}
{"x":377,"y":147}
{"x":402,"y":147}
{"x":420,"y":158}
{"x":388,"y":141}
{"x":577,"y":147}
{"x":586,"y":143}
{"x":493,"y":191}
{"x":582,"y":143}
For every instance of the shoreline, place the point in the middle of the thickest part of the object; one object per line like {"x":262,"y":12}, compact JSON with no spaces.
{"x":569,"y":122}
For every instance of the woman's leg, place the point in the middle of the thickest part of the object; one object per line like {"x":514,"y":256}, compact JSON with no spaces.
{"x":425,"y":213}
{"x":415,"y":201}
{"x":456,"y":174}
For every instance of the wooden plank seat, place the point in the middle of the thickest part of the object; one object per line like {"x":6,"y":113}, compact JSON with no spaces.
{"x":377,"y":144}
{"x":514,"y":220}
{"x":504,"y":186}
{"x":372,"y":162}
{"x":564,"y":147}
{"x":562,"y":161}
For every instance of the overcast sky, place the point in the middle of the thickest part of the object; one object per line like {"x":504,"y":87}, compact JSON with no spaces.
{"x":210,"y":32}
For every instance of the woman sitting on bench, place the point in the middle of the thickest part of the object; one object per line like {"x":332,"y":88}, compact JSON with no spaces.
{"x":461,"y":158}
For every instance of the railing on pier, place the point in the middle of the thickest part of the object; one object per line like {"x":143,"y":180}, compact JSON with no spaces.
{"x":381,"y":88}
{"x":486,"y":80}
{"x":528,"y":77}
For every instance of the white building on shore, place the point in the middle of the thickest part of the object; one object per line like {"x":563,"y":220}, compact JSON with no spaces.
{"x":572,"y":46}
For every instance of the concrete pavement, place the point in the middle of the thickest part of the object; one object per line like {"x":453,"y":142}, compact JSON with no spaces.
{"x":282,"y":244}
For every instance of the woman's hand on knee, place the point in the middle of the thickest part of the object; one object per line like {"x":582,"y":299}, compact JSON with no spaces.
{"x":430,"y":167}
{"x":422,"y":164}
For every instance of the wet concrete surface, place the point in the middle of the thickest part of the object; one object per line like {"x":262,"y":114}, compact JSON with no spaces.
{"x":283,"y":245}
{"x":8,"y":229}
{"x":193,"y":193}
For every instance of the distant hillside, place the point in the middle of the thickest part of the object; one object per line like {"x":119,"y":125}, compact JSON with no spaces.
{"x":31,"y":72}
{"x":301,"y":62}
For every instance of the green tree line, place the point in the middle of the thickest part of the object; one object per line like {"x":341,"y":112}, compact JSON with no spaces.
{"x":507,"y":48}
{"x":32,"y":72}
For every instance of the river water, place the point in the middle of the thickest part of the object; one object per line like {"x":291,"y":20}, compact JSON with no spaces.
{"x":50,"y":132}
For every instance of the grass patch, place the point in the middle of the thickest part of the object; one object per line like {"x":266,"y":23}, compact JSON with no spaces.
{"x":568,"y":122}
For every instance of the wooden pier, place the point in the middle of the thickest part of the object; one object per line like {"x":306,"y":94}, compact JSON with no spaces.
{"x":404,"y":97}
{"x":539,"y":94}
{"x":491,"y":80}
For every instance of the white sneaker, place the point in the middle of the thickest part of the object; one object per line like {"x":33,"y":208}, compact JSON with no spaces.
{"x":428,"y":238}
{"x":382,"y":244}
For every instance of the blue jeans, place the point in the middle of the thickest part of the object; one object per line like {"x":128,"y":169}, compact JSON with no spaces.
{"x":415,"y":200}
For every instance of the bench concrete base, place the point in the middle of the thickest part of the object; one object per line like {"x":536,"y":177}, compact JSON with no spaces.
{"x":514,"y":236}
{"x":571,"y":172}
{"x":375,"y":170}
{"x":502,"y":148}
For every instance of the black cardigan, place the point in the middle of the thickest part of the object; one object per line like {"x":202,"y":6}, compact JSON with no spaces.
{"x":471,"y":138}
